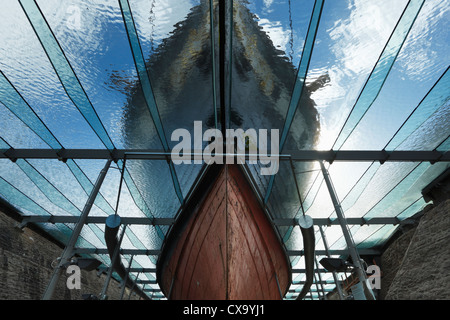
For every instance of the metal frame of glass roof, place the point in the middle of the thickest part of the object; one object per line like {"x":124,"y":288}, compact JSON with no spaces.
{"x":299,"y":155}
{"x":422,"y":155}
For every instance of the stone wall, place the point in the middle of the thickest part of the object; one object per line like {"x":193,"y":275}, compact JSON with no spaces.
{"x":25,"y":267}
{"x":391,"y":260}
{"x":419,"y":262}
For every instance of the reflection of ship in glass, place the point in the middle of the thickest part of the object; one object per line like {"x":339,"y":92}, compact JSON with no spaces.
{"x":223,"y":246}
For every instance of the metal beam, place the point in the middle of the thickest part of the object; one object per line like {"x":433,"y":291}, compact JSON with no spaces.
{"x":143,"y":270}
{"x":304,"y":270}
{"x":170,"y":221}
{"x":124,"y":281}
{"x":296,"y":155}
{"x":152,"y":290}
{"x":320,"y":277}
{"x":144,"y":252}
{"x":69,"y":250}
{"x":351,"y":246}
{"x":312,"y":290}
{"x":335,"y":277}
{"x":155,"y":252}
{"x":98,"y":220}
{"x":349,"y":221}
{"x":146,"y":282}
{"x":304,"y":282}
{"x":334,"y":252}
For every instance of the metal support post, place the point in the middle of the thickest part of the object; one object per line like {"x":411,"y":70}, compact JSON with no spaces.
{"x":124,"y":281}
{"x":132,"y":287}
{"x":111,"y":267}
{"x":68,"y":250}
{"x":317,"y":286}
{"x":336,"y":281}
{"x":346,"y":231}
{"x":320,"y":279}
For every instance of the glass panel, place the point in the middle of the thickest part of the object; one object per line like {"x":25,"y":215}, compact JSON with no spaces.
{"x":59,"y":231}
{"x":173,"y":62}
{"x":12,"y":173}
{"x":91,"y":236}
{"x":381,"y":70}
{"x":14,"y":102}
{"x":412,"y":209}
{"x":262,"y":75}
{"x":444,"y":146}
{"x":284,"y":200}
{"x":285,"y":24}
{"x":172,"y":51}
{"x":349,"y":200}
{"x":431,"y":133}
{"x":64,"y":70}
{"x":4,"y":144}
{"x":297,"y":96}
{"x":146,"y":262}
{"x":379,"y":237}
{"x":402,"y":90}
{"x":322,"y":205}
{"x":363,"y":232}
{"x":387,"y":177}
{"x":59,"y":175}
{"x":293,"y":239}
{"x":395,"y":102}
{"x":151,"y":179}
{"x":91,"y":170}
{"x":95,"y":42}
{"x":312,"y":191}
{"x":24,"y":204}
{"x":16,"y":133}
{"x":408,"y":190}
{"x":24,"y":62}
{"x":349,"y":41}
{"x":52,"y":193}
{"x":349,"y":180}
{"x":142,"y":237}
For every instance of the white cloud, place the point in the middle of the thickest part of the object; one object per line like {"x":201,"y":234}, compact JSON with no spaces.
{"x":358,"y":40}
{"x":164,"y":13}
{"x":355,"y":44}
{"x":268,"y":3}
{"x":419,"y":55}
{"x":276,"y":33}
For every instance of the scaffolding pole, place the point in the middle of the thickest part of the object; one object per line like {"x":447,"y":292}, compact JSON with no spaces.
{"x":124,"y":281}
{"x":327,"y":250}
{"x":320,"y":279}
{"x":346,"y":231}
{"x":69,"y":249}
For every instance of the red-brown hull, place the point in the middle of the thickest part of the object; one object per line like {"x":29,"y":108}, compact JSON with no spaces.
{"x":227,"y":248}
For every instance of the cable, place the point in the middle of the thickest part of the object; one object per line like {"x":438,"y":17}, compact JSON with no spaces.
{"x":120,"y":184}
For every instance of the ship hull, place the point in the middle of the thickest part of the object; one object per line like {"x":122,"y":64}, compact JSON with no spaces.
{"x":226,"y":248}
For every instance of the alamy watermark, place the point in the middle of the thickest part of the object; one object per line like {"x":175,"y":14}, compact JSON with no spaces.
{"x":74,"y":278}
{"x":239,"y":144}
{"x":374,"y":280}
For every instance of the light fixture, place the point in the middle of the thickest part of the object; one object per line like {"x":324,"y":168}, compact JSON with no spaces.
{"x":336,"y":264}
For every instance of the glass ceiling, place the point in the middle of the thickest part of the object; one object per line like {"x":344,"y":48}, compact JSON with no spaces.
{"x":124,"y":74}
